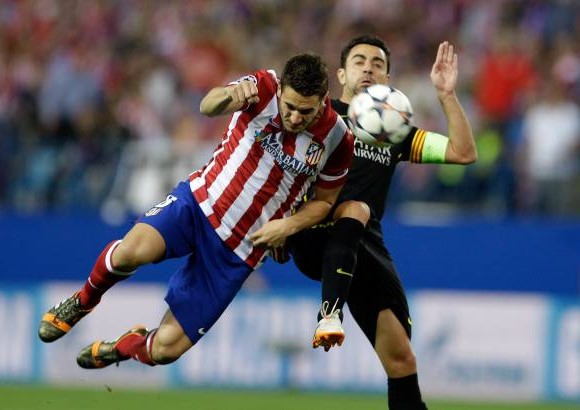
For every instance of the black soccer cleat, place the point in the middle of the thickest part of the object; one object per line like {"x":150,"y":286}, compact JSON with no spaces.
{"x":60,"y":319}
{"x":104,"y":353}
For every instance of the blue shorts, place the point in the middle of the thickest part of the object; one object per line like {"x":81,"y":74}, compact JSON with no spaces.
{"x":205,"y":285}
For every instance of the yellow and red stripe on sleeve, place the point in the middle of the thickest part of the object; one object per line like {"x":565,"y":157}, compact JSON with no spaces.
{"x":417,"y":145}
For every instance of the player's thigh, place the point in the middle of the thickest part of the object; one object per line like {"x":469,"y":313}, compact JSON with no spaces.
{"x":307,"y":250}
{"x":170,"y":341}
{"x":375,"y":287}
{"x":177,"y":220}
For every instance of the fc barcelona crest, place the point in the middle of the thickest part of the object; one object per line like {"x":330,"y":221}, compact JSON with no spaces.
{"x":314,"y":153}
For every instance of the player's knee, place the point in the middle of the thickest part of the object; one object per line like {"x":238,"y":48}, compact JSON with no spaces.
{"x":353,"y":209}
{"x":142,"y":244}
{"x":401,"y":363}
{"x":131,"y":254}
{"x":127,"y":257}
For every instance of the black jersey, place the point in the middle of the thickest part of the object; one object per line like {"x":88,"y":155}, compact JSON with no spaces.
{"x":371,"y":171}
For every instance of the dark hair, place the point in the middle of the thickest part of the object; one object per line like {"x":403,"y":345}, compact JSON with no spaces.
{"x":306,"y":74}
{"x":366,"y":39}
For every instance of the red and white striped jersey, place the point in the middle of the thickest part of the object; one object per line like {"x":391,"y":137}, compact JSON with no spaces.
{"x":259,"y":172}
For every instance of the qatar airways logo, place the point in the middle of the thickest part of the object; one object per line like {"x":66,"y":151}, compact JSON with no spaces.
{"x":270,"y":142}
{"x":382,"y":155}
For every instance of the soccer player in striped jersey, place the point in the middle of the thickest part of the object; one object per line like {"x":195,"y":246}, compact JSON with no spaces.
{"x":356,"y":266}
{"x":283,"y":138}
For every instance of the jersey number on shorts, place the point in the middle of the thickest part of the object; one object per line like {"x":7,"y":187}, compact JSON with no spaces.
{"x":159,"y":207}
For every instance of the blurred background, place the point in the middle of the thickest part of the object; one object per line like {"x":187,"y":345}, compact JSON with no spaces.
{"x":99,"y":99}
{"x":99,"y":119}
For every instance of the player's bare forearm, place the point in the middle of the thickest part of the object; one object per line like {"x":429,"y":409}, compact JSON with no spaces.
{"x":274,"y":233}
{"x":461,"y":148}
{"x":444,"y":73}
{"x":226,"y":100}
{"x":311,"y":213}
{"x":215,"y":102}
{"x":316,"y":209}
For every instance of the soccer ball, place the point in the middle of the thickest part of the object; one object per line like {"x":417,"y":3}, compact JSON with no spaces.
{"x":380,"y":115}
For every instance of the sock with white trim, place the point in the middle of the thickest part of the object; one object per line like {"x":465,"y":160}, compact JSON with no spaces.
{"x":138,"y":347}
{"x":102,"y":278}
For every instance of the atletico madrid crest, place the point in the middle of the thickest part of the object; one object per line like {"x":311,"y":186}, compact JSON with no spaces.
{"x":314,"y":153}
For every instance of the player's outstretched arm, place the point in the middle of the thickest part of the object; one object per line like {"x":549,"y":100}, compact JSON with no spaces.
{"x":274,"y":233}
{"x":461,"y":147}
{"x":229,"y":99}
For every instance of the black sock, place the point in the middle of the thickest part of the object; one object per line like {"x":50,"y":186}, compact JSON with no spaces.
{"x":339,"y":262}
{"x":404,"y":393}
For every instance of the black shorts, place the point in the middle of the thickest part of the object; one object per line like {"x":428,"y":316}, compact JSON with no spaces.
{"x":375,"y":285}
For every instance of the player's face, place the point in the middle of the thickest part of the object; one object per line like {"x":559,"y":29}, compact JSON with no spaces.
{"x":297,"y":111}
{"x":366,"y":65}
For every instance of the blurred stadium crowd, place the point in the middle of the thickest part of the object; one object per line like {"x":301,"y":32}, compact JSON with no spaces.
{"x":99,"y":98}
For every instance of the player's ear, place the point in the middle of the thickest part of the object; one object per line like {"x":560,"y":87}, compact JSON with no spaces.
{"x":323,"y":101}
{"x":279,"y":91}
{"x":340,"y":74}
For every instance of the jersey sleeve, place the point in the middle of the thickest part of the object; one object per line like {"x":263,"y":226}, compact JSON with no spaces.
{"x":267,"y":84}
{"x":336,"y":168}
{"x":424,"y":147}
{"x":408,"y":144}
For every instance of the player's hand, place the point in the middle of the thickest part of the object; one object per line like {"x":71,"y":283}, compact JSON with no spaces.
{"x":280,"y":255}
{"x":444,"y":71}
{"x":272,"y":235}
{"x":245,"y":92}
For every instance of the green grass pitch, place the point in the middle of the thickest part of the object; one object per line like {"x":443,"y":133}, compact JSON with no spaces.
{"x":108,"y":398}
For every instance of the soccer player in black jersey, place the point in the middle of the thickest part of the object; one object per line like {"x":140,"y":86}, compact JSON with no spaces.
{"x":356,"y":267}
